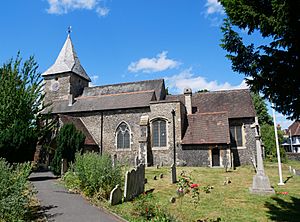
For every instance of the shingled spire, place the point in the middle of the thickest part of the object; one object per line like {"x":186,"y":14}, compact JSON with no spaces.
{"x":67,"y":61}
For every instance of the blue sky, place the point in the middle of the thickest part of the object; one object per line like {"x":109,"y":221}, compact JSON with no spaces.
{"x":125,"y":40}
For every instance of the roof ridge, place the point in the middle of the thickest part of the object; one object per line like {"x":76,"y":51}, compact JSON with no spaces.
{"x":126,"y":83}
{"x":116,"y":94}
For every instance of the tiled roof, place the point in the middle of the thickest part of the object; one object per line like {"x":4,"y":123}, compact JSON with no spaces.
{"x":237,"y":103}
{"x":104,"y":102}
{"x":67,"y":61}
{"x":207,"y":128}
{"x":157,"y":85}
{"x":89,"y":140}
{"x":295,"y":128}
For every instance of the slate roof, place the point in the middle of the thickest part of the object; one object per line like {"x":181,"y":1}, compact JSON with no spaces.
{"x":89,"y":140}
{"x":157,"y":85}
{"x":207,"y":128}
{"x":104,"y":102}
{"x":237,"y":103}
{"x":295,"y":128}
{"x":67,"y":61}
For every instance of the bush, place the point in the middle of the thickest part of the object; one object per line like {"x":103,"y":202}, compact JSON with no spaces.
{"x":96,"y":174}
{"x":14,"y":193}
{"x":69,"y":141}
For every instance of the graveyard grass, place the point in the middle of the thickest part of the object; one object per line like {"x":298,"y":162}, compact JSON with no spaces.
{"x":231,"y":202}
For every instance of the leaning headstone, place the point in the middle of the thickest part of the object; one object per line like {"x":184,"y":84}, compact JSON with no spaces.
{"x":155,"y":178}
{"x":64,"y":166}
{"x":115,"y":196}
{"x":134,"y":182}
{"x":161,"y":176}
{"x":173,"y":174}
{"x":157,"y":166}
{"x":294,"y":171}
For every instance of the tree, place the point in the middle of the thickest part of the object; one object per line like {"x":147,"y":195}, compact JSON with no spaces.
{"x":271,"y":68}
{"x":267,"y":132}
{"x":69,"y":140}
{"x":261,"y":109}
{"x":202,"y":90}
{"x":21,"y":101}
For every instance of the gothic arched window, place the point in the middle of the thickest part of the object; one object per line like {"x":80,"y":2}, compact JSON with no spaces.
{"x":159,"y":133}
{"x":123,"y":136}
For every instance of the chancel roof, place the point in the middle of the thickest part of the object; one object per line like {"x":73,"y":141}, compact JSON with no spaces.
{"x":237,"y":103}
{"x":207,"y":128}
{"x":67,"y":61}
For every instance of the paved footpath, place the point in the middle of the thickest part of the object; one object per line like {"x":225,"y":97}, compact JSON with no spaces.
{"x":61,"y":206}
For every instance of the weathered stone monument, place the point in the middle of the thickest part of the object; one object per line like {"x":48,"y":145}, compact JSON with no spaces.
{"x":134,"y":182}
{"x":173,"y":174}
{"x":114,"y":160}
{"x":115,"y":196}
{"x":261,"y":183}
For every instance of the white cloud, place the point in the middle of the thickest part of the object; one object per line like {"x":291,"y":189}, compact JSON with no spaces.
{"x":213,"y":6}
{"x":157,"y":64}
{"x":102,"y":11}
{"x":65,"y":6}
{"x":186,"y":78}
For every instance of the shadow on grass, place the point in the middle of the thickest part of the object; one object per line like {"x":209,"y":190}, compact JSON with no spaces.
{"x":283,"y":210}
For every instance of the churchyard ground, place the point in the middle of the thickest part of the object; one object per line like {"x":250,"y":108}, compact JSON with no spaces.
{"x":229,"y":200}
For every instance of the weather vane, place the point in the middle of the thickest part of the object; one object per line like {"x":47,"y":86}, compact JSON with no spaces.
{"x":69,"y":29}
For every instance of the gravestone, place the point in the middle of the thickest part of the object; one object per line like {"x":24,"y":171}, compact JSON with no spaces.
{"x":173,"y":174}
{"x":114,"y":160}
{"x":290,"y":169}
{"x":134,"y":182}
{"x":64,"y":166}
{"x":115,"y":196}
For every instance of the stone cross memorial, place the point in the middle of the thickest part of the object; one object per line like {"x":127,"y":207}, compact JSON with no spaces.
{"x":261,"y":183}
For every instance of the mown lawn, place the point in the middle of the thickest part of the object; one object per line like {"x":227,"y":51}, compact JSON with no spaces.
{"x":231,"y":202}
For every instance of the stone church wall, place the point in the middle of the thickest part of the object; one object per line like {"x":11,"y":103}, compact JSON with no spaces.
{"x":111,"y":120}
{"x":244,"y":155}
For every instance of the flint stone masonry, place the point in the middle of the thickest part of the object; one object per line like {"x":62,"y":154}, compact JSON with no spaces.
{"x":115,"y":196}
{"x":134,"y":182}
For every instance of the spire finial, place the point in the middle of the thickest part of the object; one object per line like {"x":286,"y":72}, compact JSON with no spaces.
{"x":69,"y":30}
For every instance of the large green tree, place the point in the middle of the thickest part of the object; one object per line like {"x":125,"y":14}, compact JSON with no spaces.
{"x":272,"y":67}
{"x":69,"y":140}
{"x":21,"y":101}
{"x":261,"y":109}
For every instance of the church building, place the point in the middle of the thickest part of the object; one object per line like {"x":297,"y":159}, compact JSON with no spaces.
{"x":139,"y":121}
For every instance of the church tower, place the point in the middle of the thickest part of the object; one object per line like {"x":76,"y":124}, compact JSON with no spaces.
{"x":66,"y":78}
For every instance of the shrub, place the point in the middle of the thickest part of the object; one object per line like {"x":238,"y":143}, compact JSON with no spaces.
{"x":96,"y":174}
{"x":14,"y":193}
{"x":69,"y":141}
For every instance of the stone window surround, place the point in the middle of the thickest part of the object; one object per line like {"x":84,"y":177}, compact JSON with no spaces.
{"x":130,"y":139}
{"x":243,"y":137}
{"x":167,"y":132}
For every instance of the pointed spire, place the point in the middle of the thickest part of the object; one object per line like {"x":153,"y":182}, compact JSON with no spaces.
{"x":67,"y":61}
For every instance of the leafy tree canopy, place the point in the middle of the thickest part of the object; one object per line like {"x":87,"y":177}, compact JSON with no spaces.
{"x":261,"y":109}
{"x":69,"y":140}
{"x":21,"y":101}
{"x":272,"y":68}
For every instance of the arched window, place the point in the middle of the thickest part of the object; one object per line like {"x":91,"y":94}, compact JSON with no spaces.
{"x":123,"y":136}
{"x":159,"y":133}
